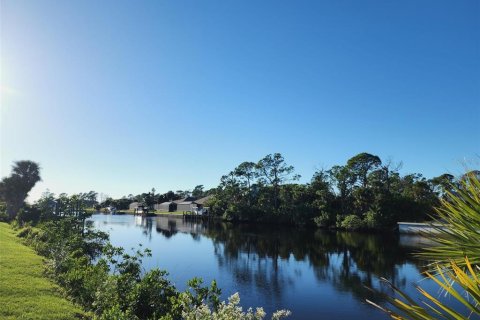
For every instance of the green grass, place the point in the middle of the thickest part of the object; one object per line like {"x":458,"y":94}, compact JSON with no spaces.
{"x":25,"y":293}
{"x":164,"y":212}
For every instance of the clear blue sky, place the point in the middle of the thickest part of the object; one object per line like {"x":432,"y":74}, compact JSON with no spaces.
{"x":122,"y":96}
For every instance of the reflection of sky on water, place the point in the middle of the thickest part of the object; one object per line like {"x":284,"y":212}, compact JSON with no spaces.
{"x":313,"y":273}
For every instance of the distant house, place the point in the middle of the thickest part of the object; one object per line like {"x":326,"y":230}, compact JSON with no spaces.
{"x":185,"y":204}
{"x":200,"y":203}
{"x":169,"y":206}
{"x":133,"y":205}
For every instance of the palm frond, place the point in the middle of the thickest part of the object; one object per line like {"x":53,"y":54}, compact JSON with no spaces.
{"x":460,"y":214}
{"x":466,"y":291}
{"x":456,"y":269}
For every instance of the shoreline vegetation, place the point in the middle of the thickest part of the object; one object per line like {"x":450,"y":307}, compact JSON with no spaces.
{"x":110,"y":283}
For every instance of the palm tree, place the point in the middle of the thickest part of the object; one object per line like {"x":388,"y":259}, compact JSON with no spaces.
{"x":15,"y":188}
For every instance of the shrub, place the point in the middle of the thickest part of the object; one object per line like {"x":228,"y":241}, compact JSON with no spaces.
{"x":352,"y":222}
{"x":226,"y":311}
{"x":24,"y":232}
{"x":28,"y":214}
{"x":325,"y":219}
{"x":3,"y":213}
{"x":152,"y":295}
{"x":372,"y":219}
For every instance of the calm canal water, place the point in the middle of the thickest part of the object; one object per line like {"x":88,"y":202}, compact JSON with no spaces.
{"x":314,"y":273}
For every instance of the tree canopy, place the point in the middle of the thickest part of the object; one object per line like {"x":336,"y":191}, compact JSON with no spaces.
{"x":15,"y":188}
{"x":364,"y":193}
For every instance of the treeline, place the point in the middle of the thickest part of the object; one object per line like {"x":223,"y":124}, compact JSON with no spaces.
{"x":364,"y":193}
{"x":93,"y":199}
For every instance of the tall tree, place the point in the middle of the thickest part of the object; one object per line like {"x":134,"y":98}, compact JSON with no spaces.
{"x":91,"y":198}
{"x":198,"y":191}
{"x":15,"y":188}
{"x":183,"y":193}
{"x":246,"y":173}
{"x":274,"y":171}
{"x":46,"y":204}
{"x":443,"y":184}
{"x":343,"y":181}
{"x":361,"y":165}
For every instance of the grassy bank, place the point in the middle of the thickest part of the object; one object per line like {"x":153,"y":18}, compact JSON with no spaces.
{"x":24,"y":291}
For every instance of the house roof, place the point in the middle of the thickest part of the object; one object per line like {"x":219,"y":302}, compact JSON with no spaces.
{"x":167,"y":202}
{"x":203,"y":200}
{"x":185,"y":200}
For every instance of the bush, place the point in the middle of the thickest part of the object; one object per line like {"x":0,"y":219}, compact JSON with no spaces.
{"x":225,"y":311}
{"x":352,"y":222}
{"x":25,"y":232}
{"x":28,"y":214}
{"x":325,"y":219}
{"x":372,"y":220}
{"x":3,"y":212}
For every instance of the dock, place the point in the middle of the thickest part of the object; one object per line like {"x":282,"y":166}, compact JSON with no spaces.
{"x":189,"y":215}
{"x":420,"y":227}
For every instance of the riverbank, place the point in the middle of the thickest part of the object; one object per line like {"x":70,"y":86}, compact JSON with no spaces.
{"x":25,"y":293}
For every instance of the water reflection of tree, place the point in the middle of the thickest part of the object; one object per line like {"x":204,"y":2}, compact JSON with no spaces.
{"x":146,"y":224}
{"x":249,"y":268}
{"x":255,"y":255}
{"x":348,"y":261}
{"x":356,"y":261}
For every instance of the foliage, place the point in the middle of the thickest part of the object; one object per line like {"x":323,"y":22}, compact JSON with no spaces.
{"x":460,"y":211}
{"x":272,"y":170}
{"x":3,"y":212}
{"x":352,"y":222}
{"x":198,"y":191}
{"x":361,"y":165}
{"x":462,"y":284}
{"x":457,"y":266}
{"x":325,"y":219}
{"x":364,"y":187}
{"x":372,"y":219}
{"x":226,"y":311}
{"x":15,"y":188}
{"x":28,"y":214}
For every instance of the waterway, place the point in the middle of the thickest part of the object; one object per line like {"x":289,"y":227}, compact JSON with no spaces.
{"x":316,"y":274}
